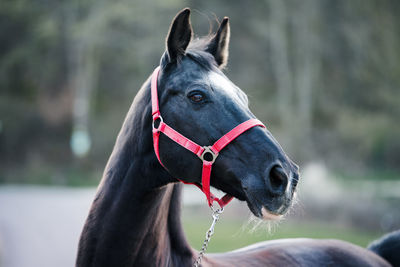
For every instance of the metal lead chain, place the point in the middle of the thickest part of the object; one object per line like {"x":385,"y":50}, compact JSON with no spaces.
{"x":209,"y":233}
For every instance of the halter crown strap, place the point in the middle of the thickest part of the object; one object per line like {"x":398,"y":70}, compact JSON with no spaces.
{"x":154,"y":94}
{"x":207,"y":154}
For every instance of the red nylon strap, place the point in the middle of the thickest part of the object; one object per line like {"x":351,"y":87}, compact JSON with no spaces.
{"x":205,"y":181}
{"x":221,"y":201}
{"x":235,"y":132}
{"x":185,"y":142}
{"x":180,"y":139}
{"x":216,"y":148}
{"x":154,"y":94}
{"x":156,"y":138}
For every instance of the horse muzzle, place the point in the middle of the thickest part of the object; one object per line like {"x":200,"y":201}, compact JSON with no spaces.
{"x":270,"y":197}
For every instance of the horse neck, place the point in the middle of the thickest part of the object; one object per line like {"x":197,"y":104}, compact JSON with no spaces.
{"x":135,"y":217}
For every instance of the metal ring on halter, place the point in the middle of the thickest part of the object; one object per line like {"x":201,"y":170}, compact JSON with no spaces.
{"x":159,"y":125}
{"x":207,"y":149}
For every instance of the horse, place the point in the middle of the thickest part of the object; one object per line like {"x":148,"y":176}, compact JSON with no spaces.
{"x":134,"y":219}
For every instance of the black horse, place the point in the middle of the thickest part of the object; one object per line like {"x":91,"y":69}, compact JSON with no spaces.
{"x":135,"y":217}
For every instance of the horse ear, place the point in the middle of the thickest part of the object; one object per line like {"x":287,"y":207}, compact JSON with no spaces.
{"x":219,"y":44}
{"x":179,"y":35}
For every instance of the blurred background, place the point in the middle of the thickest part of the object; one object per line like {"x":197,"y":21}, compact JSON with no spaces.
{"x":323,"y":75}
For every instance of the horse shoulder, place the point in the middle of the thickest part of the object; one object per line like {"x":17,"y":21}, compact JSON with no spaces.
{"x":298,"y":252}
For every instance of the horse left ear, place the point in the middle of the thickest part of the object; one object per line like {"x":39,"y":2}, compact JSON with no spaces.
{"x":219,"y":44}
{"x":179,"y":36}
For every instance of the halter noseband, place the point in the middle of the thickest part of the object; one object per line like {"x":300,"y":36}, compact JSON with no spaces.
{"x":207,"y":154}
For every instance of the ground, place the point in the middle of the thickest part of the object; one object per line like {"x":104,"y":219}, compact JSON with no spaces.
{"x":40,"y":226}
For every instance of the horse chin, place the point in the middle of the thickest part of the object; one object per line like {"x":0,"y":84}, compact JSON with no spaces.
{"x":264,"y":212}
{"x":269,"y":216}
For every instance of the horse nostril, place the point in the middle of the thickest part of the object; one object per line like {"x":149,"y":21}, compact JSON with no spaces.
{"x":278,"y":180}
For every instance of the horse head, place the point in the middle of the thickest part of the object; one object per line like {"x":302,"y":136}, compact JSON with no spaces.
{"x":200,"y":102}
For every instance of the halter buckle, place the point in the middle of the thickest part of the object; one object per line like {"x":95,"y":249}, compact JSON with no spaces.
{"x":207,"y":149}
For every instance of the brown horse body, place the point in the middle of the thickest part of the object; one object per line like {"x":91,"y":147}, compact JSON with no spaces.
{"x":300,"y":252}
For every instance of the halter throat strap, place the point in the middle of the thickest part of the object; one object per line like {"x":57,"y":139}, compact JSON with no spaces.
{"x":207,"y":154}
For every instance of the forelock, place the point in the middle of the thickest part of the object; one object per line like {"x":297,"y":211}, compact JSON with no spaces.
{"x":196,"y":51}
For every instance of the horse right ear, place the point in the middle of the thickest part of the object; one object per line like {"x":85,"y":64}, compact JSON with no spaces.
{"x":219,"y":44}
{"x":179,"y":35}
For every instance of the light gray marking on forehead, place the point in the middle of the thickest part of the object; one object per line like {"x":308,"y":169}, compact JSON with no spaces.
{"x":220,"y":81}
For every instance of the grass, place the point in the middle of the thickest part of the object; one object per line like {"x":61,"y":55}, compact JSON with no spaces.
{"x":231,"y":234}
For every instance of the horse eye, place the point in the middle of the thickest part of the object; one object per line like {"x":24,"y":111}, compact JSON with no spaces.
{"x":196,"y":97}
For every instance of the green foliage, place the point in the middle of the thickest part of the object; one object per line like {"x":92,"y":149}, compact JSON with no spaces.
{"x":337,"y":98}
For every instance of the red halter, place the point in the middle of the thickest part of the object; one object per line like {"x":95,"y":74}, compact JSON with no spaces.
{"x":200,"y":151}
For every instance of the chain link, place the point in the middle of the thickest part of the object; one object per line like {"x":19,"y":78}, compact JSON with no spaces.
{"x":209,"y":233}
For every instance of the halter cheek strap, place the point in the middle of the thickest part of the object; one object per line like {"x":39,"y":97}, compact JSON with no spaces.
{"x":207,"y":154}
